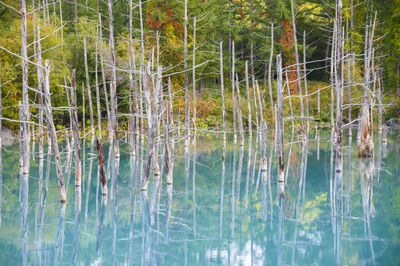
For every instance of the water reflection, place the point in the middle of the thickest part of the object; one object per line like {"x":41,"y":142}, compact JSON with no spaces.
{"x":222,"y":208}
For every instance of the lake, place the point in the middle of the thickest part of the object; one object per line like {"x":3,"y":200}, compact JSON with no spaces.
{"x":221,"y":209}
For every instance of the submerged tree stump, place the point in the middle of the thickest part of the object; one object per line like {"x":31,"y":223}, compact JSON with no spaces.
{"x":103,"y":178}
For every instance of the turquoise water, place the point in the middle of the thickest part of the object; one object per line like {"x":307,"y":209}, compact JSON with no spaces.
{"x":211,"y":216}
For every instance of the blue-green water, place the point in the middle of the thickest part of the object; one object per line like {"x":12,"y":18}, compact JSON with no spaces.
{"x":209,"y":216}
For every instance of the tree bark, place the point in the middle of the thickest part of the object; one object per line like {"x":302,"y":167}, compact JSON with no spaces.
{"x":281,"y":162}
{"x":52,"y":132}
{"x":75,"y":131}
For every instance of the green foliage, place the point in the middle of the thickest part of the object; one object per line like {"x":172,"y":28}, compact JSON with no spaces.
{"x":10,"y":37}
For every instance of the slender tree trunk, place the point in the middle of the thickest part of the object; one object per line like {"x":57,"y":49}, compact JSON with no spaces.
{"x":187,"y":110}
{"x":194,"y":75}
{"x":151,"y":124}
{"x":24,"y":114}
{"x":248,"y":98}
{"x":103,"y":178}
{"x":103,"y":75}
{"x":221,"y":71}
{"x":333,"y":60}
{"x":75,"y":131}
{"x":271,"y":55}
{"x":305,"y":78}
{"x":132,"y":81}
{"x":97,"y":87}
{"x":239,"y":112}
{"x":281,"y":162}
{"x":339,"y":88}
{"x":233,"y":92}
{"x":92,"y":132}
{"x":52,"y":132}
{"x":297,"y":64}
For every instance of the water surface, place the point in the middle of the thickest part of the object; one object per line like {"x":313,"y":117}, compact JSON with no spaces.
{"x":221,"y":208}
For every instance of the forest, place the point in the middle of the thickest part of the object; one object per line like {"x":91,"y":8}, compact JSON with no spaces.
{"x":169,"y":122}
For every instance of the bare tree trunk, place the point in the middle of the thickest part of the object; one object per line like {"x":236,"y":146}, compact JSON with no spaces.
{"x":333,"y":60}
{"x":281,"y":162}
{"x":168,"y":157}
{"x":271,"y":55}
{"x":380,"y":107}
{"x":194,"y":75}
{"x":239,"y":110}
{"x":113,"y":87}
{"x":132,"y":82}
{"x":75,"y":131}
{"x":254,"y":82}
{"x":88,"y":90}
{"x":248,"y":98}
{"x":305,"y":78}
{"x":187,"y":110}
{"x":233,"y":92}
{"x":103,"y":178}
{"x":52,"y":132}
{"x":339,"y":44}
{"x":221,"y":71}
{"x":297,"y":64}
{"x":24,"y":138}
{"x":171,"y":122}
{"x":151,"y":124}
{"x":24,"y":112}
{"x":366,"y":144}
{"x":97,"y":87}
{"x":103,"y":74}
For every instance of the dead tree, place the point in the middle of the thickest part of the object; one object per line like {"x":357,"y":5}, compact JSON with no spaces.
{"x":24,"y":106}
{"x":366,"y":144}
{"x":248,"y":98}
{"x":187,"y":110}
{"x":339,"y":88}
{"x":281,"y":162}
{"x":233,"y":92}
{"x":113,"y":89}
{"x":102,"y":171}
{"x":239,"y":112}
{"x":75,"y":132}
{"x":271,"y":55}
{"x":92,"y":132}
{"x":221,"y":71}
{"x":52,"y":132}
{"x":194,"y":75}
{"x":297,"y":64}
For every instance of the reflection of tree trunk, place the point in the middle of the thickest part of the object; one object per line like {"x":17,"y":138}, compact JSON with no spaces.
{"x":23,"y":197}
{"x":42,"y":205}
{"x":132,"y":198}
{"x":89,"y":178}
{"x":60,"y":230}
{"x":169,"y":203}
{"x":194,"y":185}
{"x":233,"y":191}
{"x":100,"y":228}
{"x":366,"y":181}
{"x":221,"y":206}
{"x":248,"y":174}
{"x":239,"y":174}
{"x":77,"y":225}
{"x":281,"y":202}
{"x":338,"y":215}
